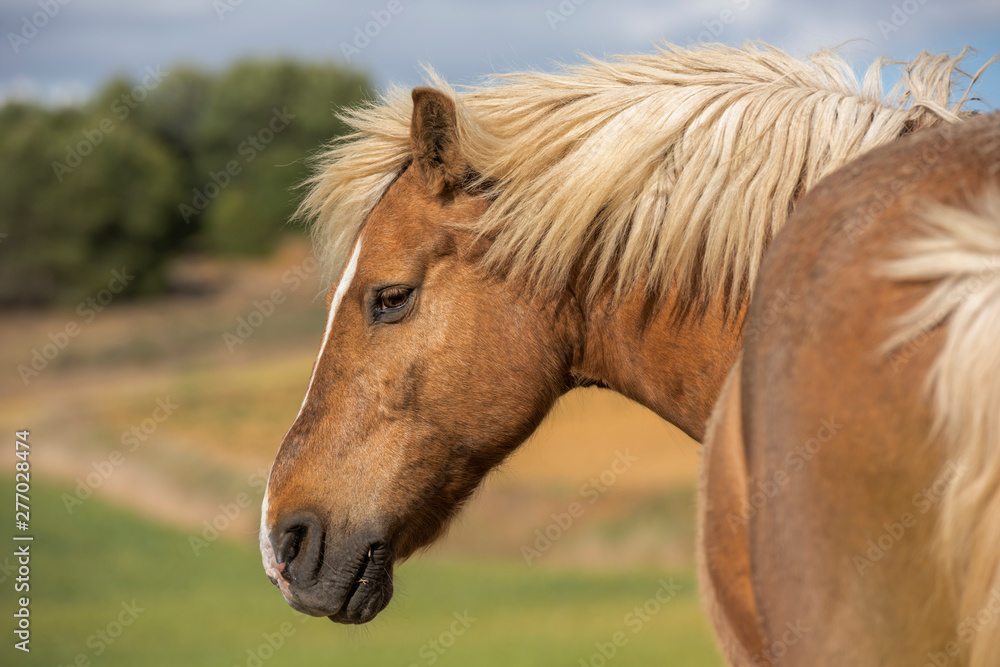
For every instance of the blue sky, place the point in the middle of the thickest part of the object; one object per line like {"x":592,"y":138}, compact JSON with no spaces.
{"x":83,"y":42}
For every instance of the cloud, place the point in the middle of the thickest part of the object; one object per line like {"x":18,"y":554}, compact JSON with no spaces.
{"x":87,"y":42}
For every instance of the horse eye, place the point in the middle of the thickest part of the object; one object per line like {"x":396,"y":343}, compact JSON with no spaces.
{"x":394,"y":297}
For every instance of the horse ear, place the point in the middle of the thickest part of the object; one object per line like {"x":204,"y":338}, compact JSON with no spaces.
{"x":434,"y":139}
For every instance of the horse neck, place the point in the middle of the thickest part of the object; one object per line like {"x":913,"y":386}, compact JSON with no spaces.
{"x":675,"y":366}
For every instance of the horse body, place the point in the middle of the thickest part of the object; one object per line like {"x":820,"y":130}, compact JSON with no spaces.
{"x":723,"y":542}
{"x":497,"y":248}
{"x":845,"y":496}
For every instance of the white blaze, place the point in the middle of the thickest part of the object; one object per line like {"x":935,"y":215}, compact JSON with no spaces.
{"x":338,"y":296}
{"x":266,"y":549}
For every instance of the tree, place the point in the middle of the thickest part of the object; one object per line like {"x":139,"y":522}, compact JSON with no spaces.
{"x":79,"y":203}
{"x":138,"y":175}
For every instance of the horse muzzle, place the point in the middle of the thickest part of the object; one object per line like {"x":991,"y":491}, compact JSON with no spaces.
{"x":319,"y":573}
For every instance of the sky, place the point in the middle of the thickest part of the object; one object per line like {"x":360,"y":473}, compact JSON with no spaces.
{"x":60,"y":51}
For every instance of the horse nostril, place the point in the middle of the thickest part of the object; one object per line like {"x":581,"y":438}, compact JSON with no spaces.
{"x":288,"y":544}
{"x":298,"y":546}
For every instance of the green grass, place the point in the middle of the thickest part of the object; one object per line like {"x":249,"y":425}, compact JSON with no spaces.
{"x":213,"y":608}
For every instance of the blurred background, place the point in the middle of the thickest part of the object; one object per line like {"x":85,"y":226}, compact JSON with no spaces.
{"x":159,"y":319}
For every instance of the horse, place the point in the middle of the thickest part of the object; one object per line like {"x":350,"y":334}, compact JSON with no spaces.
{"x":489,"y":250}
{"x":850,"y":484}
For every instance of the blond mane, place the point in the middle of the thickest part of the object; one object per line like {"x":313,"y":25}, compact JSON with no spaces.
{"x":669,"y":170}
{"x":958,"y":256}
